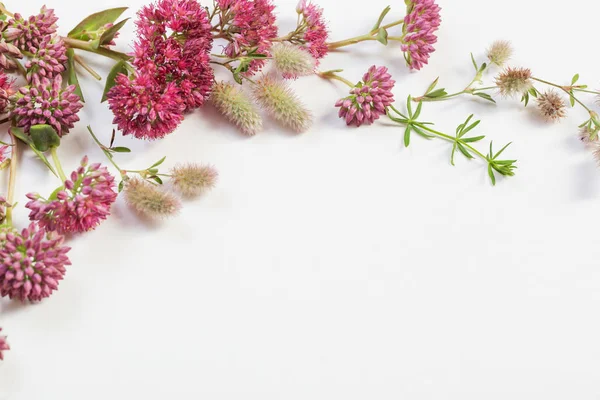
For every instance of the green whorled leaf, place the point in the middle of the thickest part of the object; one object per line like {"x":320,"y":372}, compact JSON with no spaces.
{"x":525,"y":99}
{"x":473,"y":139}
{"x":121,"y":149}
{"x":237,"y":78}
{"x":95,"y":22}
{"x":418,"y":112}
{"x":20,"y":134}
{"x":469,"y":128}
{"x":72,"y":73}
{"x":44,"y":137}
{"x":501,"y":150}
{"x":5,"y":164}
{"x":409,"y":106}
{"x":157,"y":179}
{"x":491,"y":174}
{"x":464,"y":151}
{"x":432,"y":86}
{"x":407,"y":136}
{"x":159,"y":162}
{"x":575,"y":79}
{"x":121,"y":184}
{"x":485,"y":96}
{"x":381,"y":18}
{"x":474,"y":62}
{"x":452,"y":154}
{"x":119,"y":68}
{"x":382,"y":36}
{"x":572,"y":98}
{"x":421,"y":133}
{"x":110,"y":33}
{"x":436,"y":94}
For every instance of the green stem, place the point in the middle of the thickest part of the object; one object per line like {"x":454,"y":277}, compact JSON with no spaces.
{"x":85,"y":66}
{"x":566,"y":91}
{"x":586,"y":91}
{"x":87,"y":46}
{"x":331,"y":75}
{"x":57,"y":164}
{"x":105,"y":151}
{"x":450,"y":139}
{"x":369,"y":36}
{"x":12,"y":180}
{"x":468,"y":90}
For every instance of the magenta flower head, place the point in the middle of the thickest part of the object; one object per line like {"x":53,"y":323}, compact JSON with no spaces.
{"x":30,"y":32}
{"x":32,"y":262}
{"x":82,"y":204}
{"x":420,"y":24}
{"x":251,"y":26}
{"x":3,"y":345}
{"x":7,"y":53}
{"x":48,"y":60}
{"x":145,"y":109}
{"x":369,"y":98}
{"x":45,"y":101}
{"x":174,"y":42}
{"x":314,"y":33}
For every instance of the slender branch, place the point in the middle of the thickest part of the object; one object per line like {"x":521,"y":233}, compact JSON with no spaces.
{"x":85,"y":66}
{"x":369,"y":36}
{"x":566,"y":91}
{"x":87,"y":46}
{"x":12,"y":180}
{"x":331,"y":75}
{"x":4,"y":11}
{"x":105,"y":151}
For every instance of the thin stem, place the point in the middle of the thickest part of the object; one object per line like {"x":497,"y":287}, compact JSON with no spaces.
{"x":57,"y":164}
{"x":566,"y":91}
{"x":450,"y":139}
{"x":468,"y":90}
{"x":85,"y":66}
{"x":87,"y":46}
{"x":586,"y":91}
{"x":12,"y":180}
{"x":330,"y":75}
{"x":369,"y":36}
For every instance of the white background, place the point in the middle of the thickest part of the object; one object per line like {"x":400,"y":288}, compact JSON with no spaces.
{"x":337,"y":264}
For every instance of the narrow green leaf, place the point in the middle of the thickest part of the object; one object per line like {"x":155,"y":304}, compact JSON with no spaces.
{"x":485,"y":96}
{"x":381,"y":18}
{"x":121,"y":186}
{"x":110,"y":33}
{"x":433,"y":85}
{"x":159,"y":162}
{"x":575,"y":79}
{"x":44,"y":137}
{"x":470,"y":128}
{"x":500,"y":152}
{"x":237,"y":78}
{"x":572,"y":99}
{"x":72,"y":73}
{"x":525,"y":99}
{"x":121,"y":150}
{"x":96,"y":21}
{"x":42,"y":157}
{"x":474,"y":63}
{"x":382,"y":36}
{"x":483,"y":67}
{"x":473,"y":139}
{"x":119,"y":68}
{"x":436,"y":93}
{"x":157,"y":179}
{"x":407,"y":136}
{"x":452,"y":154}
{"x":421,"y":133}
{"x":409,"y":106}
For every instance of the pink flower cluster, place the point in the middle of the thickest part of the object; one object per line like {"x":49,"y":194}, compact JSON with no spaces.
{"x":173,"y":74}
{"x":45,"y":101}
{"x":251,"y":24}
{"x":369,"y":98}
{"x":316,"y":33}
{"x":3,"y":345}
{"x":420,"y":24}
{"x":82,"y":204}
{"x":32,"y":262}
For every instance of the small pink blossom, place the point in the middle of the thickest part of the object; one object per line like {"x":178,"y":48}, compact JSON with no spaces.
{"x":82,"y":204}
{"x":32,"y":262}
{"x":369,"y":98}
{"x":316,"y":33}
{"x":3,"y":345}
{"x":420,"y":24}
{"x":145,"y":109}
{"x":30,"y":32}
{"x":45,"y":101}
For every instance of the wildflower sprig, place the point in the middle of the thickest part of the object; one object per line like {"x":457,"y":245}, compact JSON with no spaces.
{"x":459,"y":141}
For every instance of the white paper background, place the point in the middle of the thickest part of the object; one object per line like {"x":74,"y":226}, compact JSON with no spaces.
{"x":337,"y":264}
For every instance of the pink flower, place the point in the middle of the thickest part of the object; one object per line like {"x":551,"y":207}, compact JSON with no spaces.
{"x":44,"y":101}
{"x":3,"y":345}
{"x":251,"y":25}
{"x":315,"y":34}
{"x":420,"y":24}
{"x":81,"y":206}
{"x":174,"y":42}
{"x":28,"y":33}
{"x":145,"y":109}
{"x":48,"y":60}
{"x":7,"y":89}
{"x":31,"y":263}
{"x":369,"y":98}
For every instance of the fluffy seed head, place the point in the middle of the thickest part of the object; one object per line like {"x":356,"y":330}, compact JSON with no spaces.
{"x":552,"y":106}
{"x":369,"y":98}
{"x":231,"y":101}
{"x":292,"y":61}
{"x":45,"y":101}
{"x":82,"y":203}
{"x":192,"y":180}
{"x":499,"y":52}
{"x":150,"y":201}
{"x":32,"y":262}
{"x":3,"y":345}
{"x":279,"y":101}
{"x":514,"y":81}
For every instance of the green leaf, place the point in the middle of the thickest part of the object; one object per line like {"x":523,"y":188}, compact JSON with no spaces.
{"x":491,"y":174}
{"x":452,"y":154}
{"x":407,"y":136}
{"x":237,"y":78}
{"x":500,"y":152}
{"x":533,"y":91}
{"x":464,"y":151}
{"x":433,"y":85}
{"x":474,"y":63}
{"x":96,"y":21}
{"x":418,"y":112}
{"x":121,"y":186}
{"x":485,"y":96}
{"x":159,"y":162}
{"x":121,"y":150}
{"x":153,"y":171}
{"x":409,"y":106}
{"x":525,"y":99}
{"x":19,"y":133}
{"x":119,"y":68}
{"x":381,"y":18}
{"x":44,"y":137}
{"x":110,"y":33}
{"x":436,"y":93}
{"x":157,"y":179}
{"x":483,"y":67}
{"x":72,"y":73}
{"x":473,"y":139}
{"x":469,"y":128}
{"x":575,"y":79}
{"x":382,"y":36}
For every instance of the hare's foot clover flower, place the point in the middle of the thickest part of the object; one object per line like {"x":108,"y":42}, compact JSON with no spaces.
{"x":149,"y":200}
{"x":552,"y":106}
{"x":191,"y":180}
{"x":231,"y":101}
{"x":369,"y":98}
{"x":80,"y":205}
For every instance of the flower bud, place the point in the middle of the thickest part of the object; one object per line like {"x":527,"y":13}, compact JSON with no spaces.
{"x":514,"y":81}
{"x":499,"y":52}
{"x":552,"y":106}
{"x":233,"y":103}
{"x":191,"y":180}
